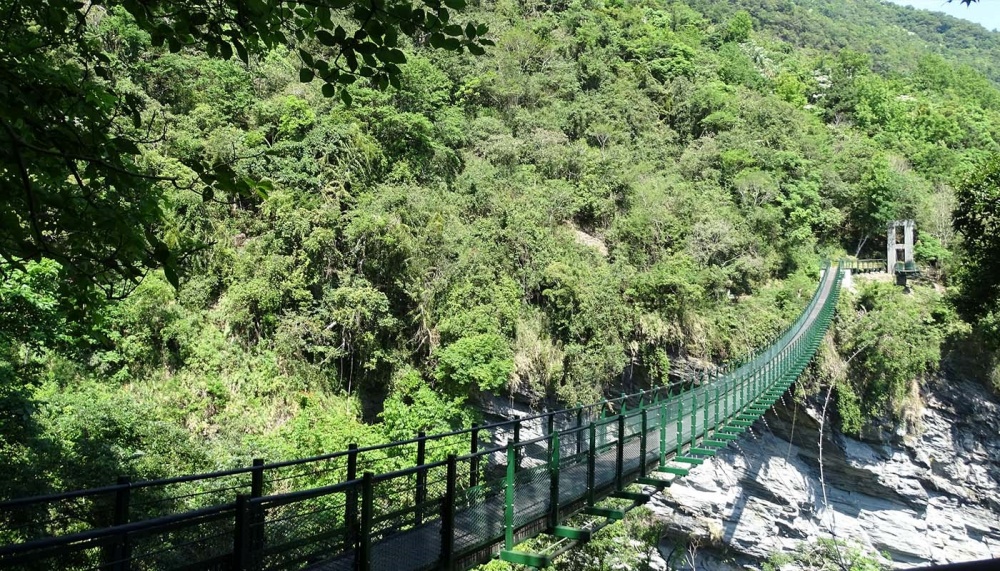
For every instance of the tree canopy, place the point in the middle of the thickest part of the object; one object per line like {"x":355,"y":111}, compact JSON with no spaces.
{"x":977,"y":218}
{"x":73,"y":124}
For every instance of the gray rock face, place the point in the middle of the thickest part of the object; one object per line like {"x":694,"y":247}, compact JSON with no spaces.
{"x":929,"y":497}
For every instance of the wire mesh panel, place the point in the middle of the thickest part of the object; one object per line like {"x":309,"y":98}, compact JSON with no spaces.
{"x":298,"y":534}
{"x":406,"y":527}
{"x":479,"y":518}
{"x":201,"y":540}
{"x":632,"y":455}
{"x":203,"y":543}
{"x":531,"y":495}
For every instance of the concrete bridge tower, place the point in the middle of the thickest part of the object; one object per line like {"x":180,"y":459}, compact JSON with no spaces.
{"x":900,"y":230}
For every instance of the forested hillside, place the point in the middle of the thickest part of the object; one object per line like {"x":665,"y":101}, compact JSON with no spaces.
{"x":614,"y":186}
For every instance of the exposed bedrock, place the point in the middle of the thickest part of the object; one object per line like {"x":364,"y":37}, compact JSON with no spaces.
{"x":928,"y":497}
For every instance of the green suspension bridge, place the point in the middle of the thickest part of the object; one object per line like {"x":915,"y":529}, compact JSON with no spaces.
{"x":444,"y":501}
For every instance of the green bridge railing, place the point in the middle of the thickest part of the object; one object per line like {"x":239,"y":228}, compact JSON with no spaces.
{"x":446,"y":501}
{"x":862,"y":266}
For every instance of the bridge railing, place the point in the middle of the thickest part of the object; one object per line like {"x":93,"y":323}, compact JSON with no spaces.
{"x":865,"y":265}
{"x":430,"y":498}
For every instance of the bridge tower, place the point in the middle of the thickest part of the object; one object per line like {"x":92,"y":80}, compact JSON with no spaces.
{"x":899,"y":257}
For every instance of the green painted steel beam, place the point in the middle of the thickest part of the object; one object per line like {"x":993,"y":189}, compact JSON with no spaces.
{"x":576,"y":533}
{"x":655,"y":482}
{"x":609,"y":513}
{"x":735,"y":430}
{"x":703,"y":451}
{"x":632,"y":496}
{"x":535,"y":560}
{"x":747,"y":417}
{"x":674,"y":471}
{"x":741,"y":423}
{"x":714,"y":443}
{"x":689,"y":460}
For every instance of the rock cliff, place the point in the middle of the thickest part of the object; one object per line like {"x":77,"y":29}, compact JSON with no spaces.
{"x":931,"y":496}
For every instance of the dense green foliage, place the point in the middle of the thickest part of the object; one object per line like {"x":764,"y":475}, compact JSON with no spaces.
{"x":75,"y":113}
{"x":977,"y":218}
{"x":617,"y":186}
{"x":889,"y":341}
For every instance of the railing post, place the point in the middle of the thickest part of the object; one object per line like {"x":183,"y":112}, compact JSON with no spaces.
{"x":257,"y":511}
{"x":643,"y":461}
{"x":743,"y":393}
{"x":663,"y":431}
{"x":591,"y":464}
{"x":579,"y":432}
{"x":554,"y":480}
{"x":694,"y":415}
{"x":680,"y":423}
{"x":351,"y":499}
{"x":704,"y":416}
{"x":363,"y":554}
{"x":715,"y":422}
{"x":241,"y":533}
{"x":508,"y":504}
{"x":551,"y":422}
{"x":620,"y":453}
{"x":120,"y":553}
{"x":421,"y":489}
{"x":474,"y":459}
{"x":448,"y":516}
{"x":517,"y":440}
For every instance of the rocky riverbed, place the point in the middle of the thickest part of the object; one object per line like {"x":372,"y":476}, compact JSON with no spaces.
{"x":930,"y":496}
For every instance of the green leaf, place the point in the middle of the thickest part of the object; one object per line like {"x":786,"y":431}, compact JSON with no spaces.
{"x":241,"y":50}
{"x":207,"y":194}
{"x":226,"y":50}
{"x":262,"y":188}
{"x":470,"y":31}
{"x":329,"y":90}
{"x":126,"y":145}
{"x":198,"y":19}
{"x":307,"y":57}
{"x":326,"y":38}
{"x":453,"y":30}
{"x":306,"y":75}
{"x":345,"y":96}
{"x":170,"y":272}
{"x":396,"y":56}
{"x":323,"y":13}
{"x":455,"y":4}
{"x":476,"y":50}
{"x":161,"y":252}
